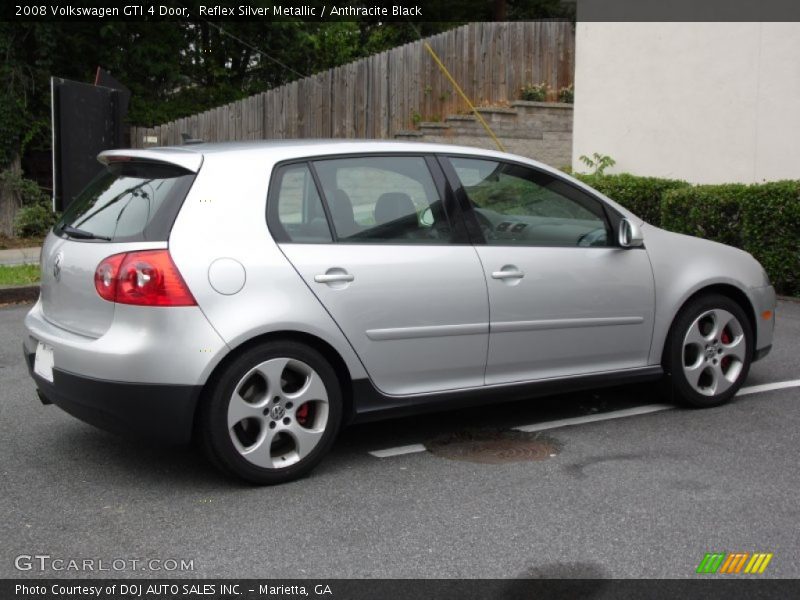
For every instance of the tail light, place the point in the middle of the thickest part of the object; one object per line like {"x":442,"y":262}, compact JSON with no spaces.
{"x":145,"y":278}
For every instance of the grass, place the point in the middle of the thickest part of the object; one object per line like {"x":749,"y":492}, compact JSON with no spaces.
{"x":19,"y":274}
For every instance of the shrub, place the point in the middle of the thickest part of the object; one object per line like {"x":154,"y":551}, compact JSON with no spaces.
{"x":640,"y":195}
{"x":713,"y":212}
{"x":33,"y":217}
{"x":534,"y":92}
{"x":28,"y":190}
{"x":34,"y":220}
{"x":762,"y":219}
{"x":770,"y":226}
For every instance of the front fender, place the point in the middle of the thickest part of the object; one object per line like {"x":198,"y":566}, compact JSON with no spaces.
{"x":684,"y":265}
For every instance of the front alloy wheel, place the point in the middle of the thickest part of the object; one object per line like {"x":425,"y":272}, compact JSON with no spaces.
{"x":713,"y":352}
{"x":709,"y":351}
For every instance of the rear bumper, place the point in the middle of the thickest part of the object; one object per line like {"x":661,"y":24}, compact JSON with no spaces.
{"x":143,"y":344}
{"x":161,"y":412}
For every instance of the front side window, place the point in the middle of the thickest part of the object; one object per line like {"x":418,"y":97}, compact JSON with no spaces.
{"x":383,"y":200}
{"x":296,"y":212}
{"x":516,"y":205}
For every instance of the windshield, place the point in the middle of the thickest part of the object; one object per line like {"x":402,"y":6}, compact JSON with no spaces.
{"x":129,"y":201}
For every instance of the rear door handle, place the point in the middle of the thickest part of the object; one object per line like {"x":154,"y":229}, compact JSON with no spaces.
{"x":508,"y":273}
{"x":334,"y":278}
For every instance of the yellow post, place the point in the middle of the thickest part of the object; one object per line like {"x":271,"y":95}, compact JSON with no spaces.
{"x":478,"y":115}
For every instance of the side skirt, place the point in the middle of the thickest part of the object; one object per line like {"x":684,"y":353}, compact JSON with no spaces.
{"x":370,"y":404}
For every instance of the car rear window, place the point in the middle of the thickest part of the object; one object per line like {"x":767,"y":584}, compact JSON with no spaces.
{"x":129,"y":202}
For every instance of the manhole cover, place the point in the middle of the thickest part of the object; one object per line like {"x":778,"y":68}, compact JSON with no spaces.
{"x":494,"y":447}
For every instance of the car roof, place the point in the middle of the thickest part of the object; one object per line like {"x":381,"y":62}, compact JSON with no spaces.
{"x":188,"y":155}
{"x":321,"y":146}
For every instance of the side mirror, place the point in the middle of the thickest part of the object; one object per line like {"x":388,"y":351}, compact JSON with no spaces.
{"x":629,"y":234}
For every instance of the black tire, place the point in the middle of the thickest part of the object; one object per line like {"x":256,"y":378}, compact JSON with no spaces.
{"x":678,"y":386}
{"x":216,"y":437}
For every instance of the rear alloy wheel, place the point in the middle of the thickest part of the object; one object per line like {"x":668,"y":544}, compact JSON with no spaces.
{"x":709,"y":351}
{"x":273,"y":414}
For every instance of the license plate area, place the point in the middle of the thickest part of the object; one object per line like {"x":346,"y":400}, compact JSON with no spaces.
{"x":43,"y":362}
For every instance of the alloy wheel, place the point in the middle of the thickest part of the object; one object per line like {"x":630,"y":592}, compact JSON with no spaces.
{"x":278,"y":413}
{"x":713,"y":352}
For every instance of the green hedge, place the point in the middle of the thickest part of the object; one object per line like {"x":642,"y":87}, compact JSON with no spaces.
{"x":771,"y":232}
{"x":641,"y":195}
{"x":713,"y":212}
{"x":763,"y":219}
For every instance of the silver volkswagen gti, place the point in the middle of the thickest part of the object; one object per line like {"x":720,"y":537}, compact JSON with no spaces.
{"x":259,"y":296}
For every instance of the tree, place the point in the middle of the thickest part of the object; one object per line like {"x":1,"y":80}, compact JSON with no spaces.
{"x":23,"y":119}
{"x":178,"y":68}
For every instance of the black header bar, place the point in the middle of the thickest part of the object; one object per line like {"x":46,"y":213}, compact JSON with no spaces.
{"x":734,"y":588}
{"x":418,"y":11}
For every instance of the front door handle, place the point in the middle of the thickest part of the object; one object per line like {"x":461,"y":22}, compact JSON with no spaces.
{"x":334,"y":277}
{"x":508,"y":272}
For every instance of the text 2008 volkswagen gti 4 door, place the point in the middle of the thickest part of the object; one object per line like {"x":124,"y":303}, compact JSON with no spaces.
{"x":259,"y":296}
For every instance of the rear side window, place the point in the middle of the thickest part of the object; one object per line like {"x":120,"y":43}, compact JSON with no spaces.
{"x":130,"y":202}
{"x":295,"y":208}
{"x":383,"y":199}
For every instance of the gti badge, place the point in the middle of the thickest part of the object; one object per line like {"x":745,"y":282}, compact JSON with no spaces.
{"x":57,"y":266}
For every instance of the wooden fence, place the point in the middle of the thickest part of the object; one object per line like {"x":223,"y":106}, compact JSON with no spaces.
{"x":377,"y":96}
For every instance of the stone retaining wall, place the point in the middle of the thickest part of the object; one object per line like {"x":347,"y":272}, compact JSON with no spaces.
{"x":538,"y":130}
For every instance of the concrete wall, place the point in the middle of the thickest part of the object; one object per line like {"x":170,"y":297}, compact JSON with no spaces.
{"x":538,"y":130}
{"x":705,"y":102}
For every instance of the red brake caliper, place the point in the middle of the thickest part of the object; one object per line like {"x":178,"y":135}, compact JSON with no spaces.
{"x":725,"y":338}
{"x":302,"y":414}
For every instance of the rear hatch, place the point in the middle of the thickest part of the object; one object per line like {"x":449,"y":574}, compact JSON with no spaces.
{"x":130,"y":205}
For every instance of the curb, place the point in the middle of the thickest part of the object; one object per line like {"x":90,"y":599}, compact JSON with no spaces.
{"x":18,"y":293}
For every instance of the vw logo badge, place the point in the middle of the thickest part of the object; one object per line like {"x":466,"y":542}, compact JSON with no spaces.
{"x":57,"y":266}
{"x":277,"y":412}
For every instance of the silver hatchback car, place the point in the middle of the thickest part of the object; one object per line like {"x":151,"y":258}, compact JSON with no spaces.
{"x":258,"y":296}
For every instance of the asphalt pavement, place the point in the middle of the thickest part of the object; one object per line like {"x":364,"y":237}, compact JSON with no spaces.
{"x":641,"y":496}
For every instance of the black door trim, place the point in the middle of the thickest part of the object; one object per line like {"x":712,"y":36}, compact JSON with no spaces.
{"x":370,"y":404}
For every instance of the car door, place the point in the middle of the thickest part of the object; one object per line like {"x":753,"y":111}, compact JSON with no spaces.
{"x":383,"y":256}
{"x":564,"y":298}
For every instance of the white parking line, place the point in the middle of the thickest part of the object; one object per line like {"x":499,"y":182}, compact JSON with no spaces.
{"x":766,"y":387}
{"x":617,"y":414}
{"x":398,"y":451}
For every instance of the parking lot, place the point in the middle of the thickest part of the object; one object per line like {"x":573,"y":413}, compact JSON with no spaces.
{"x":643,"y":495}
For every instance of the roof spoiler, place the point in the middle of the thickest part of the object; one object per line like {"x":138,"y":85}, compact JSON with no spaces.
{"x":186,"y":159}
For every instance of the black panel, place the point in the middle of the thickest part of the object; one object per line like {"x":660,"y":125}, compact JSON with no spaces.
{"x":87,"y":119}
